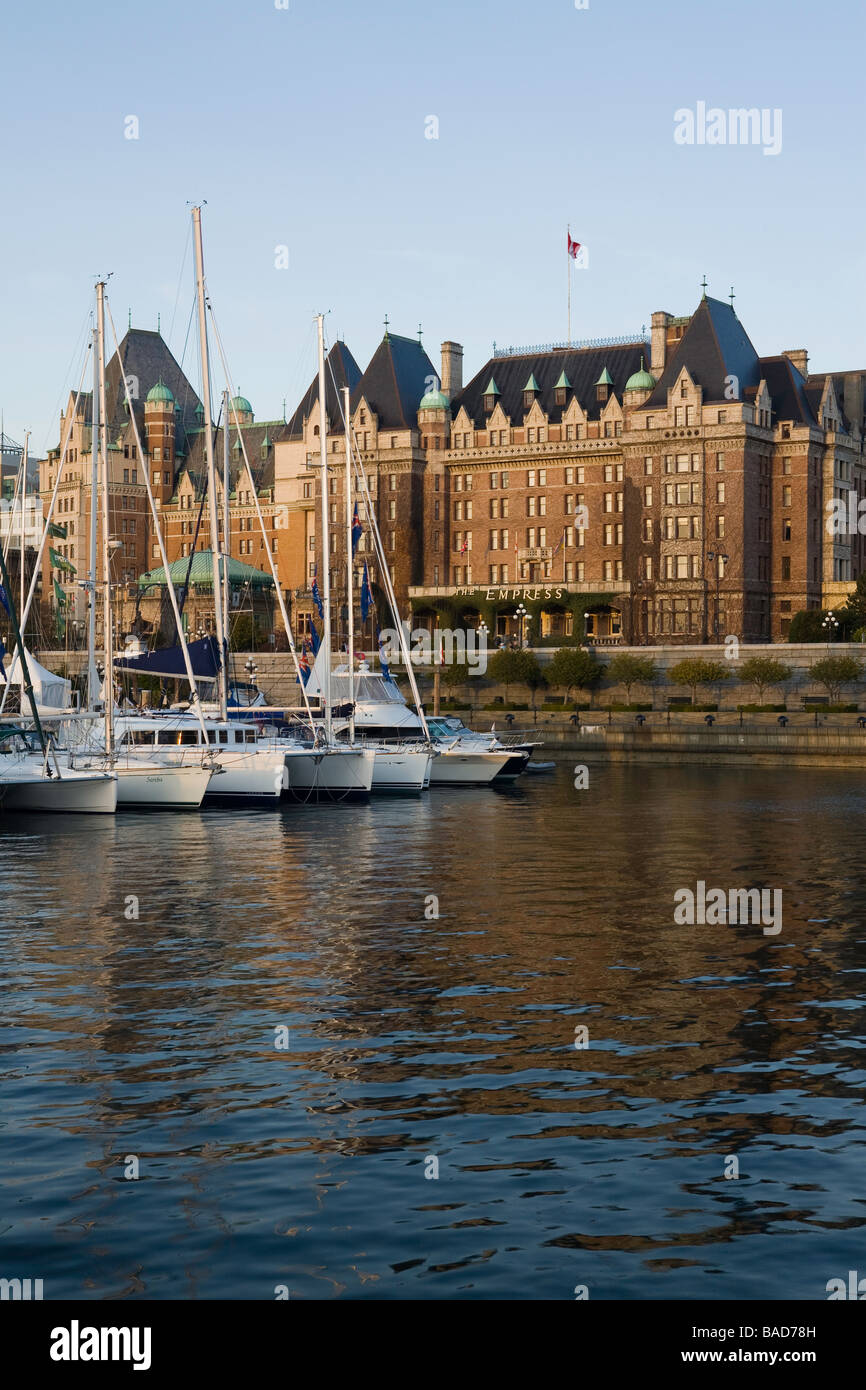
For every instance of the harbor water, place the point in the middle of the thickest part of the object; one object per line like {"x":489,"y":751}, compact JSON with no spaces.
{"x":339,"y":1051}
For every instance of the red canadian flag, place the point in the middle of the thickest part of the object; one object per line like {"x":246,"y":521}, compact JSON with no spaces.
{"x":573,"y":247}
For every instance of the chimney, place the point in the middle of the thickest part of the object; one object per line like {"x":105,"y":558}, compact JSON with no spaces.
{"x":660,"y":321}
{"x":452,"y":369}
{"x":800,"y":359}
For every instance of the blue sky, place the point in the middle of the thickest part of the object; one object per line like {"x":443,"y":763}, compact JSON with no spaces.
{"x":306,"y":128}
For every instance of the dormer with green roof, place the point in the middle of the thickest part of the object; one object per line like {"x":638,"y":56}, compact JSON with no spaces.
{"x":561,"y":388}
{"x":530,"y":391}
{"x":490,"y":395}
{"x":603,"y":385}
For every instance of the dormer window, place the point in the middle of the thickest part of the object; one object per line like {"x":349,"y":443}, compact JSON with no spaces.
{"x":530,"y":391}
{"x":489,"y":403}
{"x":684,"y":389}
{"x":559,"y":395}
{"x":603,"y":385}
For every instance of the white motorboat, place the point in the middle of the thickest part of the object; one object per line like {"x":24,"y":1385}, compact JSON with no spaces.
{"x":32,"y":781}
{"x":383,"y":719}
{"x":249,"y":771}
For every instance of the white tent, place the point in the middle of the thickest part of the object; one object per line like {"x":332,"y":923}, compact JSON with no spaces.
{"x":51,"y":692}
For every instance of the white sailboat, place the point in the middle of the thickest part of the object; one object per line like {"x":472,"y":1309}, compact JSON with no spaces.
{"x":146,"y":783}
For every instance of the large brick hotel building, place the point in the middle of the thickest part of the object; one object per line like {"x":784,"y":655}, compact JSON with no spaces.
{"x":660,"y":491}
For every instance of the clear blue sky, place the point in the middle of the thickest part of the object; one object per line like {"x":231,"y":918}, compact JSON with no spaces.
{"x":306,"y":127}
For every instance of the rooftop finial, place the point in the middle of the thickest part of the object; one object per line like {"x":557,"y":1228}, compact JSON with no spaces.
{"x":387,"y":321}
{"x":419,"y":333}
{"x":704,"y":287}
{"x":158,"y":322}
{"x":129,"y":317}
{"x":284,"y":410}
{"x":731,"y":296}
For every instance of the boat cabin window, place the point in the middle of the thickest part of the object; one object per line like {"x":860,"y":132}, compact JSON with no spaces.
{"x":239,"y":735}
{"x":177,"y":737}
{"x":137,"y":737}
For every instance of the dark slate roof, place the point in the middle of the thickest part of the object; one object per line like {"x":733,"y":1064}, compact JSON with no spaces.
{"x":346,"y":372}
{"x":714,"y":346}
{"x":788,"y":390}
{"x":146,"y":355}
{"x":582,"y":366}
{"x":254,"y":435}
{"x":398,"y":376}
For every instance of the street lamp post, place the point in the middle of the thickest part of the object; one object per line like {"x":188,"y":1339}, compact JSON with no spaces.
{"x":520,"y":617}
{"x":830,"y":624}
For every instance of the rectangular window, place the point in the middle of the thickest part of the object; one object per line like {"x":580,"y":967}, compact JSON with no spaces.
{"x":608,"y":472}
{"x":530,"y":506}
{"x":530,"y":477}
{"x":648,"y":495}
{"x":569,"y":476}
{"x":786,"y":567}
{"x":786,"y":496}
{"x":720,"y":527}
{"x":786,"y":528}
{"x":720,"y":463}
{"x":580,"y":478}
{"x":720,"y":492}
{"x":648,"y":466}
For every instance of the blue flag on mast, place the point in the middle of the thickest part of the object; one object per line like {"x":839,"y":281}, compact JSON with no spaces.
{"x":4,"y":599}
{"x":357,"y":529}
{"x":366,"y":595}
{"x":315,"y":640}
{"x":317,"y":598}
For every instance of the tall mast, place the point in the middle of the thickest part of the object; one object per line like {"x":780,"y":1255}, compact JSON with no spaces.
{"x":23,"y":500}
{"x":211,"y":469}
{"x":325,"y":666}
{"x":106,"y":548}
{"x":92,"y":674}
{"x":350,"y":567}
{"x":227,"y":547}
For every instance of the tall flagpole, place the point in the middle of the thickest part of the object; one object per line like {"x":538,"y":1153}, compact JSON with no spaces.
{"x":568,"y":270}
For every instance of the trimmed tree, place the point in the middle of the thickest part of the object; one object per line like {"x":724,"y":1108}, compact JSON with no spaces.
{"x":763,"y":671}
{"x":835,"y":671}
{"x":573,"y":668}
{"x":627,"y":670}
{"x":510,"y":667}
{"x":694,"y":671}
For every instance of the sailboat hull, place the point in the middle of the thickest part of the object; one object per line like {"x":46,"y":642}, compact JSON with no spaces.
{"x":398,"y":772}
{"x":162,"y":787}
{"x":332,"y":775}
{"x":79,"y":793}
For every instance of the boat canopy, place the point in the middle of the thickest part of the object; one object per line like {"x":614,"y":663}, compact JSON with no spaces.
{"x":168,"y":662}
{"x":51,"y":692}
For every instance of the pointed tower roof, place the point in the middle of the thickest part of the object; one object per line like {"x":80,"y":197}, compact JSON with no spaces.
{"x":346,"y":372}
{"x":605,"y":379}
{"x":714,"y":348}
{"x":532,"y":384}
{"x":491,"y":389}
{"x":396,"y":379}
{"x":562,"y":382}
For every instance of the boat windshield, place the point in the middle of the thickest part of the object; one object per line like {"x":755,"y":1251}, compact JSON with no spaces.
{"x":369,"y":689}
{"x":445,"y":726}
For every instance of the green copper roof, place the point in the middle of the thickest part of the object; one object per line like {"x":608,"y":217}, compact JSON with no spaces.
{"x":491,"y":389}
{"x":605,"y":379}
{"x":642,"y":380}
{"x":160,"y":392}
{"x":201,"y":573}
{"x":563,"y":382}
{"x":241,"y":405}
{"x":532,"y":384}
{"x":434,"y":400}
